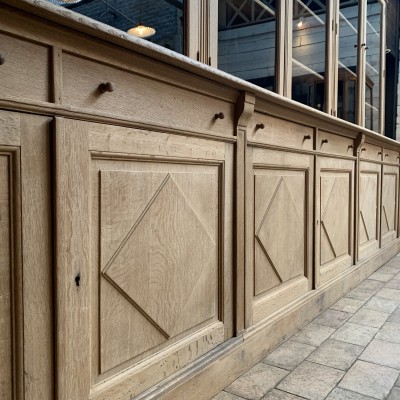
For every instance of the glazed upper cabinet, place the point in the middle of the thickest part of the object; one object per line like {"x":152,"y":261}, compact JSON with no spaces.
{"x":279,"y":234}
{"x":334,"y":217}
{"x":389,"y":219}
{"x":26,"y":354}
{"x":152,"y":283}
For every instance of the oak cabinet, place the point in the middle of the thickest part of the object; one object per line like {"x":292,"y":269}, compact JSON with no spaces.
{"x":143,"y":255}
{"x":369,"y":208}
{"x":390,"y":193}
{"x":334,"y":217}
{"x":26,"y":312}
{"x":279,"y":229}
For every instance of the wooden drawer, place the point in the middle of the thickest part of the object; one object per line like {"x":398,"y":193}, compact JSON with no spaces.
{"x":279,"y":132}
{"x":371,"y":152}
{"x":25,"y":73}
{"x":141,"y":99}
{"x":390,"y":156}
{"x":335,"y":144}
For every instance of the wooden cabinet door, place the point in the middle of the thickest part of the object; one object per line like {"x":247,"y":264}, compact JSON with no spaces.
{"x":143,"y":256}
{"x":369,"y":208}
{"x":279,"y":234}
{"x":390,"y":188}
{"x":334,"y":217}
{"x":26,"y":314}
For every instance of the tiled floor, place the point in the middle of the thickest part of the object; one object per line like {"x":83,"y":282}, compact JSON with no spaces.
{"x":351,"y":351}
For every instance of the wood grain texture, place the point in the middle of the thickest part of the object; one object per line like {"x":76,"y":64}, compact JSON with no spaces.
{"x":282,"y":185}
{"x":37,"y":256}
{"x":25,"y":73}
{"x":369,"y":208}
{"x":6,"y":284}
{"x":72,"y":259}
{"x":334,"y":217}
{"x":389,"y":212}
{"x":139,"y":97}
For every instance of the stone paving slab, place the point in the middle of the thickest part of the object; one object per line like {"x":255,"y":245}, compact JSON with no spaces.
{"x":389,"y":332}
{"x":348,"y":305}
{"x":256,"y":382}
{"x":313,"y":334}
{"x":382,"y":353}
{"x":332,"y":318}
{"x":349,"y":352}
{"x":369,"y":318}
{"x":381,"y":304}
{"x":341,"y":394}
{"x":336,"y":354}
{"x":276,"y":394}
{"x":289,"y":355}
{"x":369,"y":379}
{"x":394,"y":394}
{"x":312,"y":381}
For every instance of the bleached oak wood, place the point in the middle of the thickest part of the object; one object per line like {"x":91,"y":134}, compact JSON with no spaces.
{"x":37,"y":257}
{"x":72,"y":257}
{"x":334,"y":217}
{"x":390,"y":205}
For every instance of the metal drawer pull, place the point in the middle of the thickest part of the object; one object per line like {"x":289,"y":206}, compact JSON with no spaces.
{"x":220,"y":115}
{"x":106,"y":87}
{"x":307,"y":137}
{"x":324,"y":141}
{"x":260,"y":126}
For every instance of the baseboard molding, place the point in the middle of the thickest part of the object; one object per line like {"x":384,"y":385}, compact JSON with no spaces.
{"x":214,"y":371}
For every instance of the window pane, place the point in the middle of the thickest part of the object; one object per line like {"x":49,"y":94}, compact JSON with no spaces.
{"x":372,"y":65}
{"x":308,"y":62}
{"x":165,"y":16}
{"x":347,"y":60}
{"x":246,"y":40}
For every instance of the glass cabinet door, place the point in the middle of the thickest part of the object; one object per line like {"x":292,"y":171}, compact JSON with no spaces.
{"x":247,"y":40}
{"x":373,"y":65}
{"x":347,"y":59}
{"x":308,"y":52}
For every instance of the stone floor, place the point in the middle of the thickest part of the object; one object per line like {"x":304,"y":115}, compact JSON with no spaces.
{"x":351,"y":351}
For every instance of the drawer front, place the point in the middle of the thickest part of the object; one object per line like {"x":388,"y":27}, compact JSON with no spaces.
{"x":141,"y":99}
{"x":371,"y":152}
{"x":279,"y":132}
{"x":335,"y":144}
{"x":25,"y":73}
{"x":390,"y":156}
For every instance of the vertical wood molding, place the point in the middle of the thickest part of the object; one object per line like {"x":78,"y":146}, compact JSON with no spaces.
{"x":57,"y":83}
{"x":192,"y":30}
{"x":72,"y":189}
{"x":38,"y":259}
{"x":212,"y":11}
{"x":331,"y":59}
{"x":358,"y":145}
{"x":243,"y":113}
{"x":382,"y":82}
{"x":287,"y":88}
{"x":360,"y":99}
{"x":280,"y":58}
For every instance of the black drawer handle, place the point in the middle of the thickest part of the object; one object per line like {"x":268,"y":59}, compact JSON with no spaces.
{"x":307,"y":137}
{"x":2,"y":59}
{"x":363,"y":149}
{"x":260,"y":126}
{"x":324,"y":141}
{"x":106,"y":87}
{"x":220,"y":115}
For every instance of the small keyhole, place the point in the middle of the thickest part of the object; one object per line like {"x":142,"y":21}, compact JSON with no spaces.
{"x":78,"y":279}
